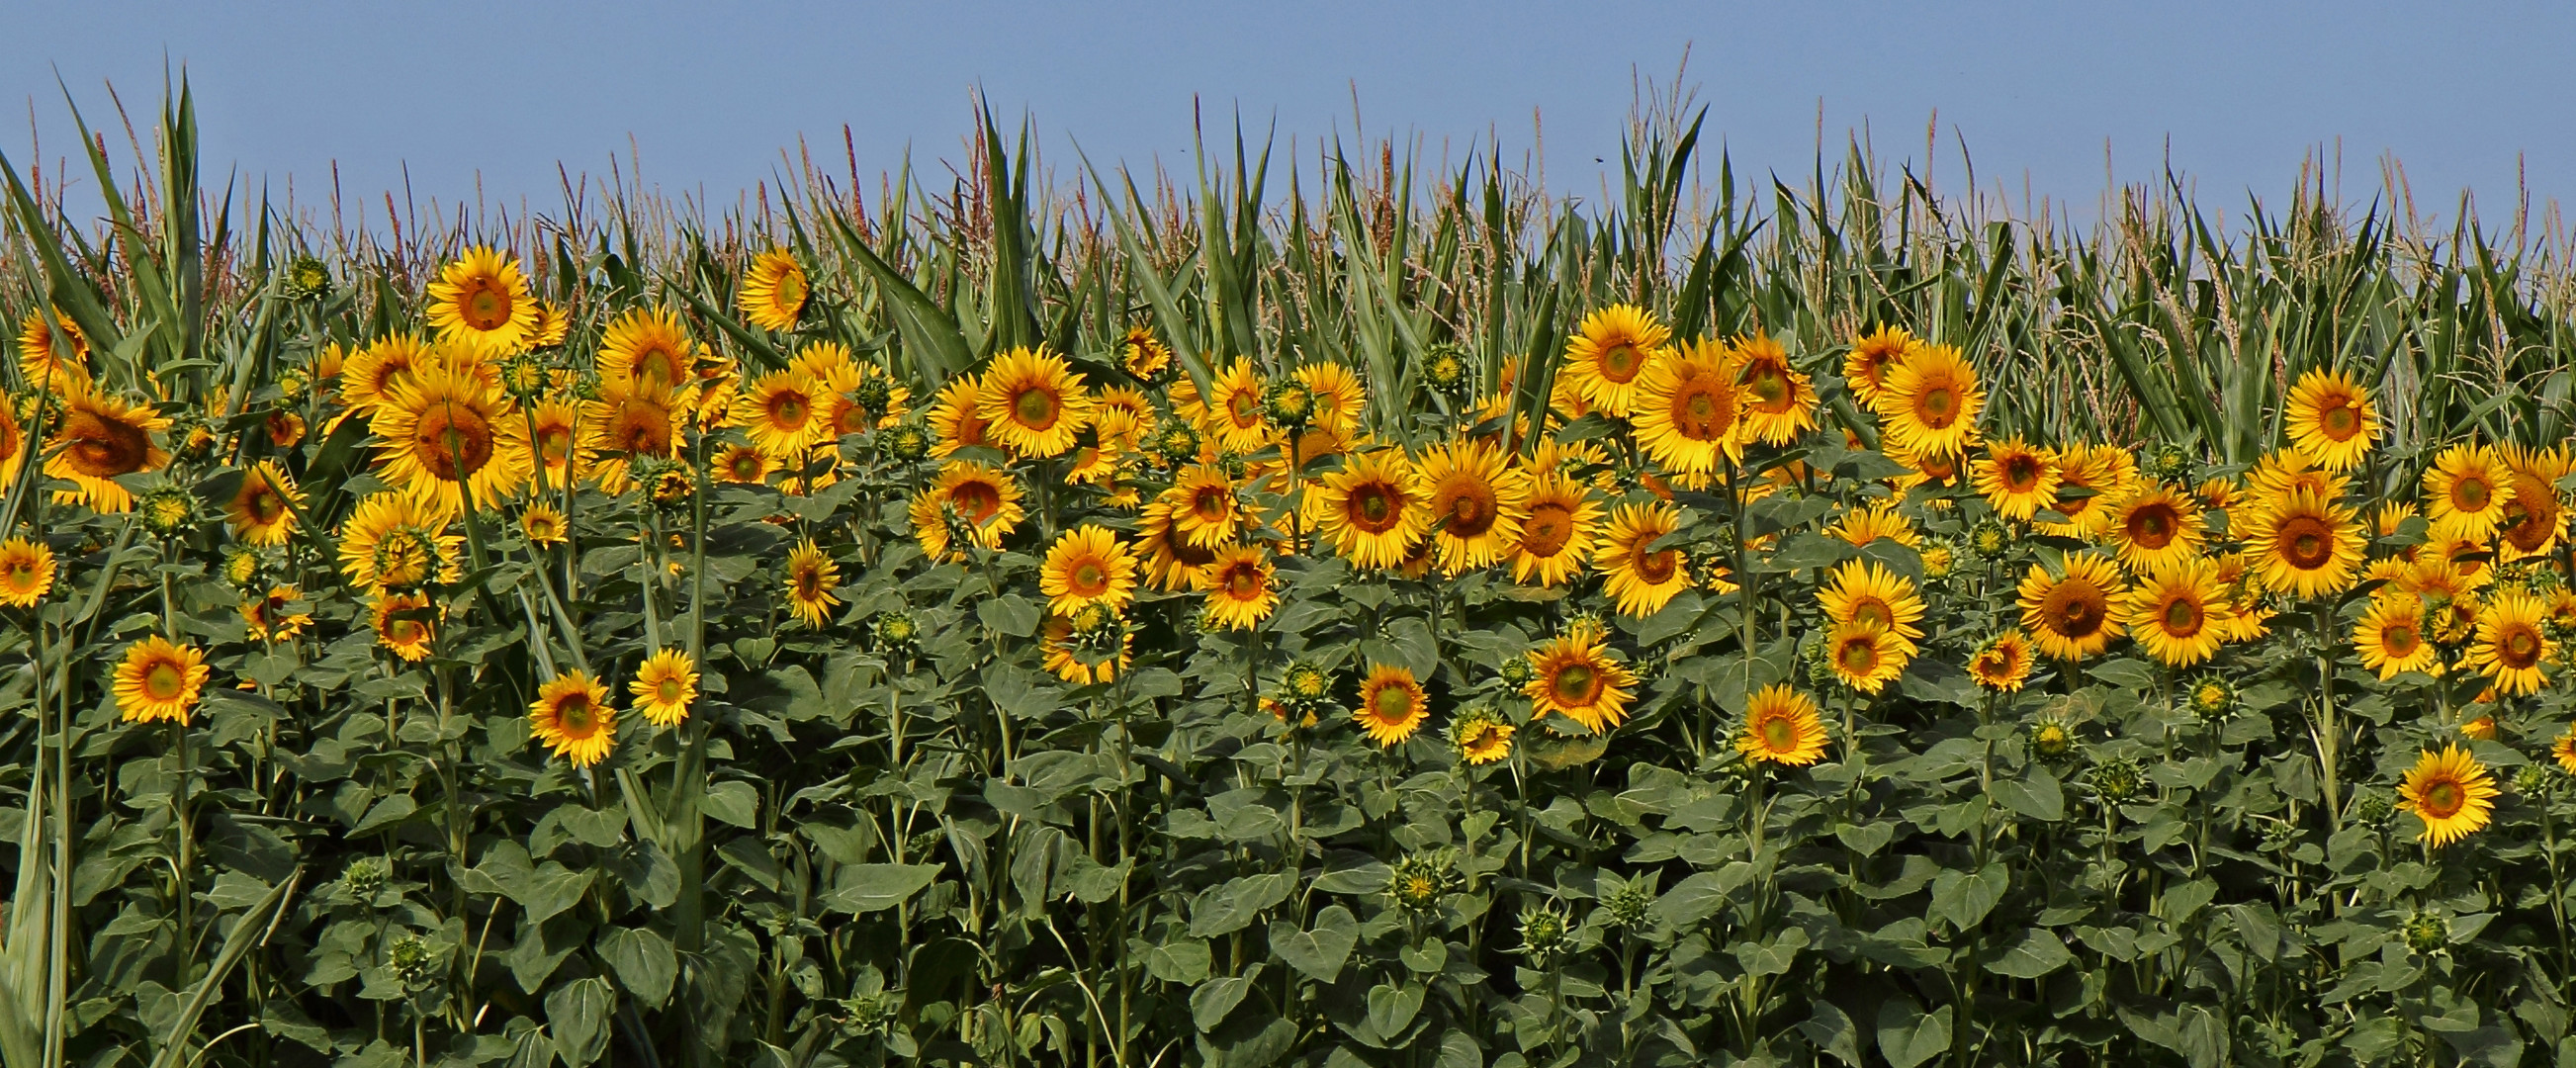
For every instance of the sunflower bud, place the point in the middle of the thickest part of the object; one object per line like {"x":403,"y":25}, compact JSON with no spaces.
{"x":293,"y":383}
{"x":870,"y":1014}
{"x":2372,"y":808}
{"x":2118,"y":779}
{"x":412,"y":958}
{"x":895,"y":631}
{"x":241,"y":566}
{"x":1543,"y":929}
{"x":2051,"y":737}
{"x":2167,"y":462}
{"x":1444,"y":369}
{"x":1422,"y":879}
{"x":2426,"y":933}
{"x":525,"y":376}
{"x":1627,"y":905}
{"x":2211,"y":697}
{"x":1989,"y":539}
{"x":907,"y":442}
{"x":1516,"y":671}
{"x":168,"y":510}
{"x":1940,"y":559}
{"x":1176,"y":444}
{"x":875,"y":396}
{"x":1098,"y":634}
{"x":1288,"y":404}
{"x":307,"y":278}
{"x":365,"y":877}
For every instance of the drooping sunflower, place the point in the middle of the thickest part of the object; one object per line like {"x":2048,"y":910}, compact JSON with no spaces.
{"x":2451,"y":792}
{"x":2534,"y":517}
{"x":2513,"y":644}
{"x":393,"y":540}
{"x":2178,"y":613}
{"x":481,"y":303}
{"x":1241,"y":585}
{"x":267,"y":619}
{"x":1779,"y":402}
{"x":448,"y":437}
{"x":811,"y":578}
{"x":1235,"y":415}
{"x":1373,"y":511}
{"x":2155,"y":526}
{"x":26,"y":572}
{"x":1640,"y":580}
{"x":159,"y":680}
{"x":544,"y":525}
{"x":1088,"y":565}
{"x":1557,"y":533}
{"x":1873,"y":357}
{"x":2330,"y":419}
{"x":1205,"y":508}
{"x":1781,"y":727}
{"x":1930,"y":403}
{"x":405,"y":623}
{"x":98,"y":438}
{"x":1610,"y":350}
{"x":2070,"y":613}
{"x":262,"y":511}
{"x":647,"y":346}
{"x":1477,"y":503}
{"x":773,"y":291}
{"x":985,"y":498}
{"x":782,"y":413}
{"x":1689,"y":409}
{"x":1575,"y":676}
{"x":954,"y":419}
{"x":1338,"y":394}
{"x":2307,"y":546}
{"x":663,"y":686}
{"x":1062,"y":652}
{"x":2003,"y":663}
{"x":2390,"y":637}
{"x":1391,"y":705}
{"x":1033,"y":403}
{"x":1867,"y":592}
{"x":1144,"y":356}
{"x":1865,"y":657}
{"x":2018,"y":479}
{"x":2465,"y":492}
{"x":573,"y":717}
{"x":1171,"y":562}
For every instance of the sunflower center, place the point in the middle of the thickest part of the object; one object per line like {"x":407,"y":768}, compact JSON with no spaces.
{"x":1658,"y":568}
{"x":22,"y":576}
{"x":2075,"y":609}
{"x":1939,"y":406}
{"x":977,"y":500}
{"x":1771,"y":386}
{"x":454,"y":441}
{"x":1700,"y":409}
{"x":746,"y":466}
{"x":1211,"y":504}
{"x":1858,"y":655}
{"x":2021,"y":473}
{"x":2306,"y":543}
{"x":1619,"y":362}
{"x":1546,"y":532}
{"x":2399,"y":639}
{"x":486,"y":305}
{"x":1874,"y":612}
{"x":2472,"y":494}
{"x":2153,"y":526}
{"x":1391,"y":704}
{"x":2444,"y":799}
{"x":576,"y":716}
{"x":641,"y":429}
{"x":2339,"y":420}
{"x":1471,"y":509}
{"x":1779,"y":735}
{"x":1034,"y":409}
{"x":404,"y":631}
{"x":163,"y":681}
{"x":1374,"y":508}
{"x":1244,"y":407}
{"x":101,"y":447}
{"x":402,"y":558}
{"x":1577,"y":684}
{"x":2182,"y":618}
{"x":2518,"y":646}
{"x":1242,"y":583}
{"x":788,"y":409}
{"x":809,"y":583}
{"x":659,"y":360}
{"x":667,"y":691}
{"x":852,"y":419}
{"x":791,"y":291}
{"x":1089,"y":579}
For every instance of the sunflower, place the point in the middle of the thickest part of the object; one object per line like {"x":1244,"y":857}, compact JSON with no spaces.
{"x":266,"y":616}
{"x":1144,"y":356}
{"x":630,"y":421}
{"x":1171,"y":562}
{"x":395,"y":540}
{"x":2512,"y":643}
{"x":2070,"y":613}
{"x":544,"y":525}
{"x":52,"y":359}
{"x":2465,"y":492}
{"x":857,"y":397}
{"x":663,"y":686}
{"x":1482,"y":738}
{"x":1861,"y":526}
{"x":2179,"y":613}
{"x":26,"y":572}
{"x":1873,"y":358}
{"x":1575,"y":676}
{"x":2090,"y":478}
{"x":2003,"y":663}
{"x":1205,"y":509}
{"x":555,"y":443}
{"x":1688,"y":409}
{"x":1779,"y":402}
{"x":158,"y":680}
{"x":285,"y":429}
{"x":573,"y":717}
{"x":376,"y":370}
{"x":449,"y":439}
{"x":2564,"y":749}
{"x":742,"y":464}
{"x":554,"y":321}
{"x":647,"y":346}
{"x":2018,"y":479}
{"x":1929,"y":405}
{"x":1338,"y":394}
{"x":1556,"y":532}
{"x":2451,"y":792}
{"x":2154,"y":526}
{"x":99,"y":438}
{"x":1058,"y":651}
{"x":1374,"y":510}
{"x":1476,"y":500}
{"x":773,"y":291}
{"x":2390,"y":637}
{"x":1241,"y":585}
{"x":1642,"y":581}
{"x":1867,"y":592}
{"x":481,"y":302}
{"x":811,"y":578}
{"x":2330,"y":419}
{"x":2533,"y":516}
{"x":1864,"y":656}
{"x":985,"y":498}
{"x":1088,"y":565}
{"x":1781,"y":727}
{"x":1609,"y":352}
{"x":2307,"y":545}
{"x":1391,"y":705}
{"x":1236,"y":419}
{"x":405,"y":623}
{"x":954,"y":419}
{"x":1033,"y":402}
{"x":262,"y":511}
{"x":782,"y":413}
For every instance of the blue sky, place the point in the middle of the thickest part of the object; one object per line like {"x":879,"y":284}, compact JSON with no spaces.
{"x":710,"y":92}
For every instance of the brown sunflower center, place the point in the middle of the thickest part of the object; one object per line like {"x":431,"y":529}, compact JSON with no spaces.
{"x":2153,"y":526}
{"x":484,"y":304}
{"x":1089,"y":579}
{"x":1874,"y":612}
{"x":1035,"y":408}
{"x":1470,"y":507}
{"x":2340,"y":419}
{"x":1619,"y":362}
{"x":1212,"y":504}
{"x":667,"y":690}
{"x":2519,"y":646}
{"x":1244,"y":407}
{"x":2182,"y":617}
{"x":1770,"y":386}
{"x":1576,"y":685}
{"x":2075,"y":608}
{"x":1779,"y":735}
{"x":1701,"y":408}
{"x":1242,"y":583}
{"x":575,"y":715}
{"x":1657,"y":568}
{"x":163,"y":681}
{"x":101,"y":447}
{"x":2472,"y":494}
{"x":809,"y":582}
{"x":2306,"y":543}
{"x":1391,"y":703}
{"x":788,"y":409}
{"x":1547,"y":530}
{"x":978,"y":501}
{"x":454,"y":441}
{"x":1858,"y":655}
{"x":2444,"y":799}
{"x":1939,"y":406}
{"x":264,"y":505}
{"x":2021,"y":473}
{"x":2399,"y":639}
{"x":1375,"y":507}
{"x":640,"y":428}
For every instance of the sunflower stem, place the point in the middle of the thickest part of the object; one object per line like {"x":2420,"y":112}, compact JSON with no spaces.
{"x":2327,"y":733}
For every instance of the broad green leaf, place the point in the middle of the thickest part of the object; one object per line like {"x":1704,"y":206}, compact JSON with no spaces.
{"x":1320,"y":950}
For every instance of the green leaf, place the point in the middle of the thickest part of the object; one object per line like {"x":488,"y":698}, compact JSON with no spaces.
{"x":1009,"y":614}
{"x":577,"y":1018}
{"x":732,"y":801}
{"x":1392,"y":1008}
{"x":1210,"y":1003}
{"x":1830,"y":1030}
{"x":1320,"y":951}
{"x":1908,"y":1036}
{"x":865,"y":888}
{"x":2038,"y":953}
{"x":1963,"y":900}
{"x":2034,"y":793}
{"x":644,"y":962}
{"x":1183,"y":961}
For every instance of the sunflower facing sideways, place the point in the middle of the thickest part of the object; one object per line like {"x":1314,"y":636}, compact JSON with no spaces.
{"x":2533,"y":518}
{"x":262,"y":511}
{"x":663,"y":686}
{"x":266,"y":618}
{"x":573,"y":717}
{"x":99,"y":438}
{"x":2564,"y":749}
{"x":1373,"y":510}
{"x":51,"y":359}
{"x":1873,"y":357}
{"x":2513,"y":643}
{"x":159,"y":680}
{"x":481,"y":302}
{"x":2451,"y":792}
{"x":1689,"y":410}
{"x":1033,"y":403}
{"x":1481,"y":736}
{"x":630,"y":421}
{"x":1781,"y":727}
{"x":1575,"y":676}
{"x":773,"y":291}
{"x":2178,"y":613}
{"x":1088,"y":565}
{"x":2070,"y":612}
{"x":1476,"y":500}
{"x":2002,"y":664}
{"x":1640,"y":579}
{"x":1610,"y":350}
{"x":406,"y":624}
{"x":1391,"y":706}
{"x":2330,"y":419}
{"x":2305,"y":545}
{"x":1556,"y":533}
{"x":2390,"y":637}
{"x":2018,"y":479}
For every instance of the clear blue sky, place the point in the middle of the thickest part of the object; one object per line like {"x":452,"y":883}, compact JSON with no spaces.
{"x":711,"y":92}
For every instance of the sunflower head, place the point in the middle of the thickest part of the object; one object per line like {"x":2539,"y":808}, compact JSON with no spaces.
{"x":572,"y":716}
{"x":481,"y":302}
{"x":1033,"y":402}
{"x":2451,"y":792}
{"x":1391,"y":705}
{"x":1421,"y":880}
{"x":1144,"y":356}
{"x":895,"y":631}
{"x":1482,"y":736}
{"x":2052,"y":737}
{"x":306,"y":278}
{"x":2117,"y":779}
{"x":663,"y":687}
{"x":773,"y":292}
{"x":159,"y":680}
{"x":2210,"y":696}
{"x":1781,"y":727}
{"x":168,"y":510}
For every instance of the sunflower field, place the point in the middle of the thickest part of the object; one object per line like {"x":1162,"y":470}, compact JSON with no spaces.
{"x":1409,"y":620}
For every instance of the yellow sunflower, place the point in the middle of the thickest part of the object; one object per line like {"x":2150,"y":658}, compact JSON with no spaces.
{"x":13,"y":443}
{"x":556,"y":443}
{"x":1575,"y":676}
{"x":663,"y":686}
{"x":2070,"y":613}
{"x":1476,"y":500}
{"x":1689,"y":409}
{"x":985,"y":497}
{"x":554,"y":322}
{"x":374,"y":372}
{"x":1391,"y":705}
{"x":1058,"y":654}
{"x":1205,"y":508}
{"x":2330,"y":419}
{"x":782,"y":413}
{"x":1610,"y":350}
{"x":630,"y":421}
{"x":2018,"y":479}
{"x":544,"y":525}
{"x":953,"y":417}
{"x":1879,"y":519}
{"x":2465,"y":492}
{"x":1374,"y":510}
{"x":2512,"y":643}
{"x":1779,"y":402}
{"x":743,"y":464}
{"x":405,"y":623}
{"x":2306,"y":545}
{"x":1867,"y":592}
{"x":1338,"y":394}
{"x":1930,"y":403}
{"x":1088,"y":565}
{"x":2533,"y":518}
{"x":647,"y":347}
{"x":773,"y":291}
{"x":811,"y":578}
{"x":1236,"y":418}
{"x":2282,"y":471}
{"x":393,"y":540}
{"x":1781,"y":727}
{"x":1873,"y":358}
{"x":52,"y":359}
{"x":2178,"y":613}
{"x":26,"y":572}
{"x":2564,"y":749}
{"x":1482,"y":739}
{"x":1171,"y":562}
{"x":448,"y":438}
{"x":1143,"y":355}
{"x":1865,"y":657}
{"x":159,"y":680}
{"x":2451,"y":792}
{"x":1640,"y":580}
{"x":2154,"y":526}
{"x":2090,"y":478}
{"x":2003,"y":663}
{"x":1556,"y":533}
{"x":573,"y":717}
{"x":266,"y":616}
{"x":1033,"y":403}
{"x":1241,"y":585}
{"x":2390,"y":637}
{"x":262,"y":511}
{"x":98,"y":438}
{"x":481,"y":302}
